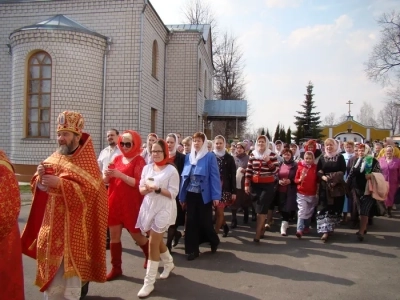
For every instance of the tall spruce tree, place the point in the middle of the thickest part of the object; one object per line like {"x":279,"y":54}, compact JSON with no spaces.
{"x":268,"y":135}
{"x":282,"y":134}
{"x":308,"y":121}
{"x":262,"y":131}
{"x":277,"y":131}
{"x":289,"y":136}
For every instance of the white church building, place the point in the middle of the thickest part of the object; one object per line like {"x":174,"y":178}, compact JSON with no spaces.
{"x":114,"y":61}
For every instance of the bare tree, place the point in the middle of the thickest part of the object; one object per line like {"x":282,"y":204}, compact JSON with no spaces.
{"x":384,"y":61}
{"x":229,"y":78}
{"x":329,"y":120}
{"x":366,"y":115}
{"x":389,"y":116}
{"x":341,"y":118}
{"x":198,"y":12}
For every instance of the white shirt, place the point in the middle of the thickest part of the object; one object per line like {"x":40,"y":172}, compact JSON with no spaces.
{"x":106,"y":156}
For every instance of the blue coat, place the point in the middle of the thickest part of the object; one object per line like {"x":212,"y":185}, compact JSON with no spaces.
{"x":210,"y":182}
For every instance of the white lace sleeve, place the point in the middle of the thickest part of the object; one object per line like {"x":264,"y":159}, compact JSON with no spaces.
{"x":143,"y":176}
{"x":173,"y":183}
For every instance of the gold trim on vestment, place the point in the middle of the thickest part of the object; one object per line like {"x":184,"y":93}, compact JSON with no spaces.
{"x":74,"y":168}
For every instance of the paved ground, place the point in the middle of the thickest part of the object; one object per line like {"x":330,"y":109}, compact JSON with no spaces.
{"x":279,"y":268}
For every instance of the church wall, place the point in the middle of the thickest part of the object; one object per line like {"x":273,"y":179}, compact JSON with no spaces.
{"x":182,"y":83}
{"x":370,"y":133}
{"x":152,"y":87}
{"x":118,"y":20}
{"x":77,"y":77}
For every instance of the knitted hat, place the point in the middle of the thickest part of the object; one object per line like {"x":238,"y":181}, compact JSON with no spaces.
{"x":70,"y":121}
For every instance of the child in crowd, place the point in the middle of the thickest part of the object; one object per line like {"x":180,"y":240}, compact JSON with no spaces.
{"x":306,"y":180}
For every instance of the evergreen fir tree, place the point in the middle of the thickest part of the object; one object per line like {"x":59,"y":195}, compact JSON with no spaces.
{"x":308,"y":121}
{"x":263,"y":131}
{"x":268,"y":134}
{"x":276,"y":134}
{"x":282,"y":134}
{"x":289,"y":136}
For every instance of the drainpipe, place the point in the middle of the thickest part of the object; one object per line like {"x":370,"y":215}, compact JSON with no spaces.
{"x":198,"y":81}
{"x":103,"y":103}
{"x":165,"y":84}
{"x":141,"y":66}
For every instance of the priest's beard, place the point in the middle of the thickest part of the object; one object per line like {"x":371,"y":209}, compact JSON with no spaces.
{"x":66,"y":149}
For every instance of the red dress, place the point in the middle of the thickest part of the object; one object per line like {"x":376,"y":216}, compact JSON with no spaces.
{"x":124,"y":201}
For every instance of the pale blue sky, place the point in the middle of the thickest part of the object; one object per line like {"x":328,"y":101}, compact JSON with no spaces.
{"x":286,"y":43}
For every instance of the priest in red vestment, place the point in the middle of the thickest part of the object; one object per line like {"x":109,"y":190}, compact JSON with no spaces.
{"x":11,"y":275}
{"x":66,"y":229}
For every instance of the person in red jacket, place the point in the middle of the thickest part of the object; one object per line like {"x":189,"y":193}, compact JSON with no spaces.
{"x":306,"y":180}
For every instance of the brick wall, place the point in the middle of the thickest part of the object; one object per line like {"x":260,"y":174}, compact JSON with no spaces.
{"x":130,"y":89}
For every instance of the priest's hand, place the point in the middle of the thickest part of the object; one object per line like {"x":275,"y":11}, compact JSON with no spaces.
{"x":40,"y":170}
{"x":51,"y":181}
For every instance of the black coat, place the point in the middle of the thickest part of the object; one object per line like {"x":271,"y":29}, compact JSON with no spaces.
{"x":228,"y":175}
{"x":179,"y":162}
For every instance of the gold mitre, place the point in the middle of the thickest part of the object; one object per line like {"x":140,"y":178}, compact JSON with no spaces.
{"x":70,"y":121}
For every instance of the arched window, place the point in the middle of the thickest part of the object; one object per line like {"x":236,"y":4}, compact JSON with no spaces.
{"x":200,"y":74}
{"x":154,"y":64}
{"x":39,"y":95}
{"x":205,"y":83}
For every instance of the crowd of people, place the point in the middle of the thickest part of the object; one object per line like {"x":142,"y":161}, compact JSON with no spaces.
{"x":182,"y":187}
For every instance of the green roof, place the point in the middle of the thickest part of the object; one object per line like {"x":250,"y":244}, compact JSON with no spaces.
{"x":60,"y":22}
{"x":225,"y":109}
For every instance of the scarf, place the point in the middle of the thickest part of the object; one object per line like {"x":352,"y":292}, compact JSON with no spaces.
{"x":256,"y":152}
{"x":276,"y":148}
{"x":195,"y":157}
{"x":147,"y":141}
{"x":289,"y":162}
{"x":220,"y":153}
{"x":303,"y":162}
{"x":335,"y":148}
{"x":166,"y":154}
{"x":136,"y":143}
{"x":173,"y":152}
{"x":241,"y":155}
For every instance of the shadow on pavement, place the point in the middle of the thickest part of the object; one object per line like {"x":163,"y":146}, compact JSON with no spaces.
{"x":189,"y":289}
{"x":237,"y":265}
{"x":105,"y":298}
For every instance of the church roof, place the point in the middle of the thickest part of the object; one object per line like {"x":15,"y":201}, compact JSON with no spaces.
{"x":60,"y":22}
{"x":225,"y":109}
{"x":202,"y":28}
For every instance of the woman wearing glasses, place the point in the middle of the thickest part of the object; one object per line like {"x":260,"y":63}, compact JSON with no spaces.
{"x":159,"y":184}
{"x":124,"y":199}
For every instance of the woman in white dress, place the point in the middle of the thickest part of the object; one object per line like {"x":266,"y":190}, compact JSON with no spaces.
{"x":160,"y":185}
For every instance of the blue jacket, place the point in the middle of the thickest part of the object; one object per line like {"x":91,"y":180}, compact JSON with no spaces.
{"x":210,"y":182}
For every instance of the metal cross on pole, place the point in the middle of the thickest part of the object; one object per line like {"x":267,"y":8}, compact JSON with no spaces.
{"x":349,"y":103}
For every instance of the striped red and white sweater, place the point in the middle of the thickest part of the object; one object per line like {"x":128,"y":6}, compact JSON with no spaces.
{"x":265,"y":171}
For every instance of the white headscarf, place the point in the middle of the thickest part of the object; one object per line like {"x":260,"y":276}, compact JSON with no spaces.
{"x":173,"y":152}
{"x":256,"y":151}
{"x":276,"y":149}
{"x":335,"y":147}
{"x":195,"y":157}
{"x":271,"y":146}
{"x":221,"y":152}
{"x":297,"y":153}
{"x":339,"y":150}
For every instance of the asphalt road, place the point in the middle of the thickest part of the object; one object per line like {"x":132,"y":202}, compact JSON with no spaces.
{"x":278,"y":268}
